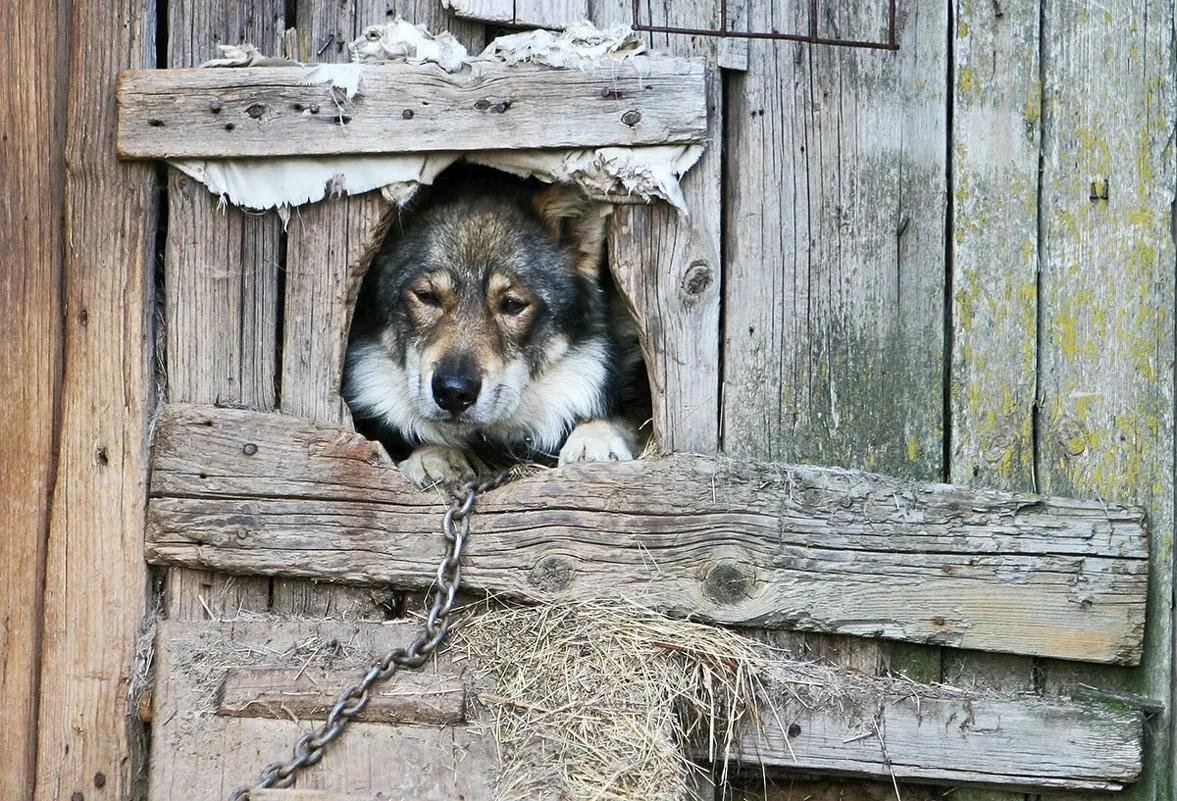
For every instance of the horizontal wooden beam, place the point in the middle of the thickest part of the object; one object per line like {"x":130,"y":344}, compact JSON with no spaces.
{"x":308,"y":693}
{"x":970,"y":739}
{"x":754,"y":544}
{"x":288,"y":111}
{"x":816,"y":721}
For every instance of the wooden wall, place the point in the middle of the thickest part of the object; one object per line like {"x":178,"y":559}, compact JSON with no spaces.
{"x":955,"y":261}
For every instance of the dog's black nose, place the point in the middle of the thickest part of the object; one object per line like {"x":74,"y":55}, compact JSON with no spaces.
{"x":455,"y":390}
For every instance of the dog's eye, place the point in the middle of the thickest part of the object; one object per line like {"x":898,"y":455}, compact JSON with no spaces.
{"x":427,"y":297}
{"x":512,"y":306}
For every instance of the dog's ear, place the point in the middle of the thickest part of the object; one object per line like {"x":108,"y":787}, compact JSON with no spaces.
{"x":577,"y":222}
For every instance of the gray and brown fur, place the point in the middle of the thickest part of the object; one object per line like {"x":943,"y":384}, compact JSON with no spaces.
{"x":484,"y":326}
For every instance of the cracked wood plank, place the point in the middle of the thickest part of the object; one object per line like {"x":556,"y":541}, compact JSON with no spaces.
{"x":766,"y":545}
{"x":272,"y":111}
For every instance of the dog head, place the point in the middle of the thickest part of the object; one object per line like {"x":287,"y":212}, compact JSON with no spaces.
{"x":489,"y":287}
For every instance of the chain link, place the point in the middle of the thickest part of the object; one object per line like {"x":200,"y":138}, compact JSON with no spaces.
{"x":309,"y":748}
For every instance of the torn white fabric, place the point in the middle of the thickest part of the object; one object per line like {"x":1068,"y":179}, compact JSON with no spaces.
{"x":260,"y":184}
{"x":579,"y":46}
{"x":401,"y":41}
{"x":246,"y":55}
{"x":616,"y":174}
{"x":344,"y":77}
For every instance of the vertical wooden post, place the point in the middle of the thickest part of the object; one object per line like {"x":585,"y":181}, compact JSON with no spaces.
{"x":834,"y":261}
{"x":1106,"y":385}
{"x":668,"y":266}
{"x":30,"y":327}
{"x":221,"y":278}
{"x":996,"y":108}
{"x":95,"y":578}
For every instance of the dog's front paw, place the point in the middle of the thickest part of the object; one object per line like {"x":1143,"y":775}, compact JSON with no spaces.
{"x":597,"y":441}
{"x":436,"y":464}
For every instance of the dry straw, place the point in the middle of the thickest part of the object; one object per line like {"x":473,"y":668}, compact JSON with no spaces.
{"x":600,"y":701}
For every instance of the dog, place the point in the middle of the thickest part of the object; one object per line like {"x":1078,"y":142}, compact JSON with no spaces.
{"x":484,"y":333}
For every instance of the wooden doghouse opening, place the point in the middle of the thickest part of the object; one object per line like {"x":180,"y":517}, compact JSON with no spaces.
{"x":633,"y":396}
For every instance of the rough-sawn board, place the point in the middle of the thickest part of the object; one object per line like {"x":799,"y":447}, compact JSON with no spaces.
{"x":736,"y":542}
{"x":301,"y":111}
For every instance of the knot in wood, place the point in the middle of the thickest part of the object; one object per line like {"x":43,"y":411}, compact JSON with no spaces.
{"x":256,"y":110}
{"x":249,"y":449}
{"x":696,"y":280}
{"x":407,"y":114}
{"x":728,"y":582}
{"x":794,"y":730}
{"x":631,"y":117}
{"x":552,"y":573}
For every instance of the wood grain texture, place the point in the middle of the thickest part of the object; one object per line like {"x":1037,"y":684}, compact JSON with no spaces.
{"x":969,"y":741}
{"x":222,"y":288}
{"x":668,"y":267}
{"x":995,"y":141}
{"x":1107,"y":303}
{"x":201,"y":755}
{"x":95,"y":581}
{"x":310,"y":693}
{"x":31,"y":152}
{"x":221,"y":285}
{"x":834,"y":191}
{"x":996,"y":135}
{"x":270,"y":111}
{"x":531,"y":13}
{"x":737,"y":542}
{"x":833,"y":324}
{"x":924,"y":733}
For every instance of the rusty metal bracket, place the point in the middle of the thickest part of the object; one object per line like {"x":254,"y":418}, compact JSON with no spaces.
{"x":811,"y":37}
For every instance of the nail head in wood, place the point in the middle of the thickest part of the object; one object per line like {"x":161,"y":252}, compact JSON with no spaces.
{"x":249,"y":449}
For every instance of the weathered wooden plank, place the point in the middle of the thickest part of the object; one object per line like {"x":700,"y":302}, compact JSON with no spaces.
{"x":834,"y":282}
{"x":271,"y":111}
{"x":995,"y":136}
{"x":222,"y":288}
{"x":95,"y":582}
{"x":199,"y":754}
{"x":32,"y":152}
{"x":328,"y":248}
{"x":534,"y":13}
{"x":310,"y":693}
{"x":919,"y":732}
{"x":668,"y":267}
{"x":834,"y":254}
{"x":737,"y":542}
{"x":984,"y":742}
{"x":1106,"y":304}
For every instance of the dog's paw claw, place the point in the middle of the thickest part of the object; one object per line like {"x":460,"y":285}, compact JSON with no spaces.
{"x":597,"y":441}
{"x":436,"y":464}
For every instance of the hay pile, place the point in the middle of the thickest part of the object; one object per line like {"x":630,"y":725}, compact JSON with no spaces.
{"x":598,"y":700}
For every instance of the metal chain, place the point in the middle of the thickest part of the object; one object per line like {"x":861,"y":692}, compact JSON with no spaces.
{"x":309,"y":748}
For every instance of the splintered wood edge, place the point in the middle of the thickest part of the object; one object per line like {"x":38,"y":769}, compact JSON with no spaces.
{"x":401,"y":108}
{"x":742,"y":543}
